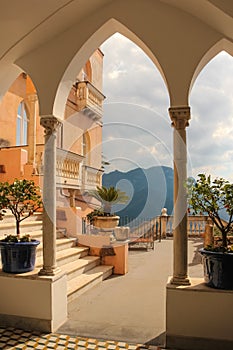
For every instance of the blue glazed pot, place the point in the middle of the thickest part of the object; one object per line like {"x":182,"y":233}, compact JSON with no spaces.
{"x":218,"y":269}
{"x":18,"y":257}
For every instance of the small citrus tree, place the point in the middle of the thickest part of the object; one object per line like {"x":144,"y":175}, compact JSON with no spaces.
{"x":211,"y":197}
{"x":22,"y":198}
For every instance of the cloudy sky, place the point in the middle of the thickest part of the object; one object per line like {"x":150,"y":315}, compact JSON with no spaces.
{"x":137,"y":130}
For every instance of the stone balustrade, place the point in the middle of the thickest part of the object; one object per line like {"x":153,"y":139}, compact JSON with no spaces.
{"x":68,"y":168}
{"x":90,"y":100}
{"x":70,"y":172}
{"x":195,"y":225}
{"x":91,"y":177}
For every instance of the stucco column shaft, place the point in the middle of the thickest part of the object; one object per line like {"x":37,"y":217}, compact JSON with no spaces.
{"x":51,"y":124}
{"x":180,"y":117}
{"x":31,"y":102}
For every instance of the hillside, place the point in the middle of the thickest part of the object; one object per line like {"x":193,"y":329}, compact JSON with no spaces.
{"x":149,"y":190}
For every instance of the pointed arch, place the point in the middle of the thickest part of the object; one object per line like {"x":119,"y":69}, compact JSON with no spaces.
{"x":109,"y":28}
{"x":8,"y":74}
{"x":221,"y":45}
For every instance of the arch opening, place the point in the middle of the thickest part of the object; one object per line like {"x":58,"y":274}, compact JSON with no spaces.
{"x":96,"y":40}
{"x":211,"y":101}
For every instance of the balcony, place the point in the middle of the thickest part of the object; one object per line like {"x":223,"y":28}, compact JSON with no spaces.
{"x":90,"y":100}
{"x":68,"y":169}
{"x":91,"y":177}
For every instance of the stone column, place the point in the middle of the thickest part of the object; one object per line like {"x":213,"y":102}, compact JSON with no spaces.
{"x":51,"y":124}
{"x":180,"y":117}
{"x":31,"y":102}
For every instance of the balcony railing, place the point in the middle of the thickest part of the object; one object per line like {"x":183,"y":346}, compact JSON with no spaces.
{"x":70,"y":171}
{"x":68,"y":168}
{"x":195,"y":225}
{"x":91,"y":177}
{"x":90,"y":100}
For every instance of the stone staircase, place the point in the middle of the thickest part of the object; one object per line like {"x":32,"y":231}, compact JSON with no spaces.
{"x":83,"y":271}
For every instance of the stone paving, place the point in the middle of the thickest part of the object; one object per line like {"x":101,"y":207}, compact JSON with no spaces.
{"x":12,"y":338}
{"x":130,"y":308}
{"x":123,"y":312}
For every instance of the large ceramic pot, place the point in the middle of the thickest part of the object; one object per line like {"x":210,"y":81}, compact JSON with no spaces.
{"x":106,"y":221}
{"x":18,"y":257}
{"x":218,"y":269}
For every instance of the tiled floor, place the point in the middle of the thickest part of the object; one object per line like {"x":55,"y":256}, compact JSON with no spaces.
{"x":13,"y":339}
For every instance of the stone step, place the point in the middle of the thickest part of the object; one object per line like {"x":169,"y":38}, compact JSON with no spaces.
{"x":87,"y":280}
{"x":76,"y":268}
{"x":66,"y":256}
{"x":9,"y":217}
{"x":61,"y":244}
{"x":25,"y":227}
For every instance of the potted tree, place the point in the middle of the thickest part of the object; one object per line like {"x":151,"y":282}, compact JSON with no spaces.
{"x":214,"y":197}
{"x":103,"y":217}
{"x":22,"y":198}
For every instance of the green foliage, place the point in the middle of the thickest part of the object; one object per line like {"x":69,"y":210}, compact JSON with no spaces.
{"x":16,"y":239}
{"x":96,"y":212}
{"x":109,"y":196}
{"x":207,"y":196}
{"x":22,"y":198}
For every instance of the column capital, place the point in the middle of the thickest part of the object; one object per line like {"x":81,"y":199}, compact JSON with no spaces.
{"x":179,"y":116}
{"x":50,"y":123}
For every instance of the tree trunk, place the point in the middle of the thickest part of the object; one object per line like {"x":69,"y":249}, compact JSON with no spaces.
{"x":224,"y":239}
{"x":17,"y":228}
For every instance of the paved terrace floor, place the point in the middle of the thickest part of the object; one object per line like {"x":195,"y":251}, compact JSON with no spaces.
{"x":124,"y":312}
{"x":131,"y":308}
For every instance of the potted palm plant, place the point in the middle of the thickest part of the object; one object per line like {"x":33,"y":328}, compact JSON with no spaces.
{"x":215,"y":197}
{"x":103,"y":217}
{"x":22,"y":199}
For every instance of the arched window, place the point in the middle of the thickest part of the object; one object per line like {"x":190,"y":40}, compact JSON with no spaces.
{"x":21,"y":125}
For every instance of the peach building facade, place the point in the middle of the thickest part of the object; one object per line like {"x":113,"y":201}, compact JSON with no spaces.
{"x":180,"y":37}
{"x":79,"y":138}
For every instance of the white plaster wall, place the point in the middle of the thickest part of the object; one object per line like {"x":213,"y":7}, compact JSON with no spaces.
{"x":199,"y":311}
{"x":42,"y":298}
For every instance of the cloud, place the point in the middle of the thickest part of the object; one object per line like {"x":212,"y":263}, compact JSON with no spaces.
{"x":136,"y":112}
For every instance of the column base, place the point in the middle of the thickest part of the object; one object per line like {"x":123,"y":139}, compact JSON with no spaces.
{"x":180,"y":281}
{"x":49,"y":271}
{"x":44,"y":308}
{"x":198,"y":317}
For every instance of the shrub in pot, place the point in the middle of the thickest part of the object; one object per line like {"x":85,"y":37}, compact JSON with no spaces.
{"x":22,"y":198}
{"x":103,"y":217}
{"x":212,"y":197}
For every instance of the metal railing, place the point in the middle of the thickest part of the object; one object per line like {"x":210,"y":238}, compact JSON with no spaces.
{"x":161,"y":226}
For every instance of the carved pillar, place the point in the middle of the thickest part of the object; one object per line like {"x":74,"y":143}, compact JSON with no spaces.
{"x":51,"y":124}
{"x":180,"y":117}
{"x":31,"y":102}
{"x":72,"y":197}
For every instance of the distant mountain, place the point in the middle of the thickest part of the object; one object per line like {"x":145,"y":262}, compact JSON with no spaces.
{"x":149,"y":190}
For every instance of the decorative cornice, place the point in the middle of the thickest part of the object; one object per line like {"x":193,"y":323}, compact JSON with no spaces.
{"x":180,"y":117}
{"x":50,"y":124}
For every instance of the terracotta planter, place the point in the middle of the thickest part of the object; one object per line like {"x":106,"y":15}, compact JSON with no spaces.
{"x":106,"y":221}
